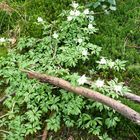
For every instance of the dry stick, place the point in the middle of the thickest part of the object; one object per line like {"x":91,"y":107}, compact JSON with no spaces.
{"x":45,"y":133}
{"x":128,"y":95}
{"x":116,"y":105}
{"x":132,"y":97}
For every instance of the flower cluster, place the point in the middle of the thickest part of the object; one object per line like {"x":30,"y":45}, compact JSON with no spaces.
{"x":105,"y":63}
{"x":73,"y":13}
{"x":86,"y":11}
{"x":5,"y":40}
{"x":79,"y":40}
{"x":102,"y":61}
{"x":117,"y":87}
{"x":99,"y":83}
{"x":76,"y":12}
{"x":113,"y":86}
{"x":2,"y":40}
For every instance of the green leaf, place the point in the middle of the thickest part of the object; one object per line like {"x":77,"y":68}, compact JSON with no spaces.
{"x":113,"y":8}
{"x":112,"y":2}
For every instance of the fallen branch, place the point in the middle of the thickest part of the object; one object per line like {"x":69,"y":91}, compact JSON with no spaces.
{"x":132,"y":97}
{"x":128,"y":95}
{"x":45,"y":133}
{"x":116,"y":105}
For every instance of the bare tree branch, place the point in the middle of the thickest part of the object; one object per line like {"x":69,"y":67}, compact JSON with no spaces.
{"x":128,"y":95}
{"x":132,"y":97}
{"x":45,"y":133}
{"x":116,"y":105}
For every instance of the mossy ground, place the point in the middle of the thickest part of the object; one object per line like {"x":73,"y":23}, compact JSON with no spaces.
{"x":118,"y":35}
{"x":120,"y":38}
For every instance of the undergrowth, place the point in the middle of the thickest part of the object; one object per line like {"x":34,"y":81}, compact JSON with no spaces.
{"x":118,"y":35}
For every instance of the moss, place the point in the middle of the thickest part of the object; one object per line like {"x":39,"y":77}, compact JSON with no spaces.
{"x":119,"y":37}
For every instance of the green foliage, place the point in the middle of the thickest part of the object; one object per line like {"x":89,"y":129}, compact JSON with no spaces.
{"x":105,"y":5}
{"x":24,"y":13}
{"x":34,"y":53}
{"x":119,"y":38}
{"x":64,"y":46}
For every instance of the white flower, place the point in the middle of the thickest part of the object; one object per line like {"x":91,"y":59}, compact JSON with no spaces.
{"x":82,"y":80}
{"x":106,"y":12}
{"x":55,"y":35}
{"x":113,"y":8}
{"x":69,"y":18}
{"x":75,"y":5}
{"x":99,"y":83}
{"x":118,"y":88}
{"x":85,"y":52}
{"x":39,"y":19}
{"x":80,"y":40}
{"x":72,"y":13}
{"x":102,"y":61}
{"x":111,"y":64}
{"x":2,"y":40}
{"x":77,"y":13}
{"x":91,"y":18}
{"x":104,"y":6}
{"x":90,"y":26}
{"x":86,"y":11}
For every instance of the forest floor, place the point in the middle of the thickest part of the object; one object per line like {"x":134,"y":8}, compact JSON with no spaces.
{"x":119,"y":36}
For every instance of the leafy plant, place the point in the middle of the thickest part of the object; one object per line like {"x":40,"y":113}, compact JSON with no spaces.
{"x":64,"y":47}
{"x":106,"y":5}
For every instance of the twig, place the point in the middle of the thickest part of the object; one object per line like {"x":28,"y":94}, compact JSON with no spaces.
{"x":4,"y":115}
{"x":8,"y":112}
{"x":5,"y":97}
{"x":45,"y":133}
{"x":133,"y":132}
{"x":137,"y":47}
{"x":3,"y":131}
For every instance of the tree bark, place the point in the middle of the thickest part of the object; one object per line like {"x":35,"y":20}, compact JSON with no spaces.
{"x":128,"y":95}
{"x":116,"y":105}
{"x":45,"y":133}
{"x":132,"y":97}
